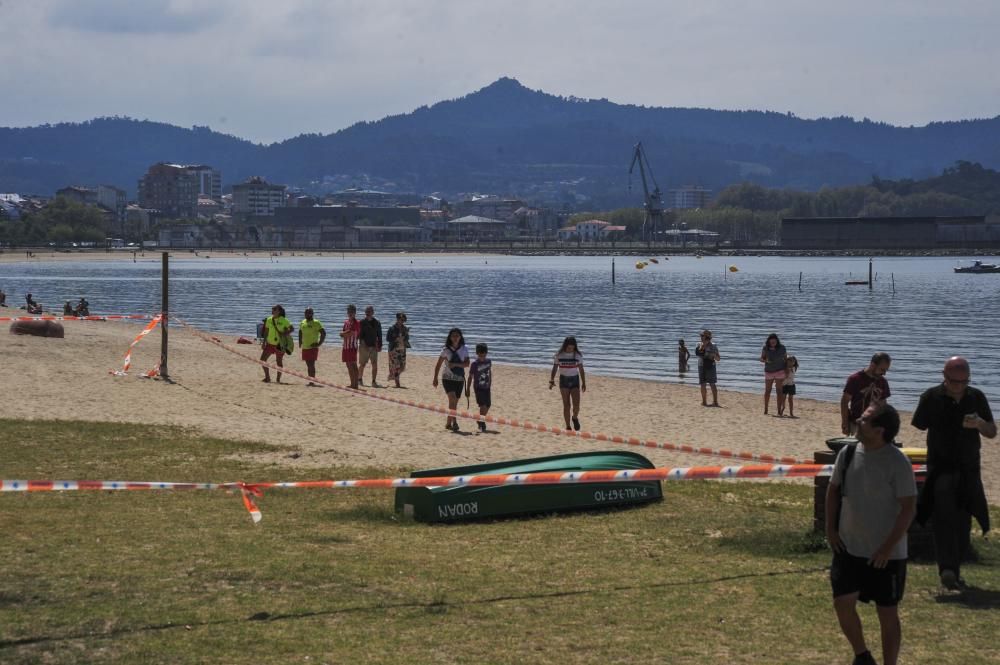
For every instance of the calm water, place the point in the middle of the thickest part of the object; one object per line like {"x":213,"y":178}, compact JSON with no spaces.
{"x":523,"y":307}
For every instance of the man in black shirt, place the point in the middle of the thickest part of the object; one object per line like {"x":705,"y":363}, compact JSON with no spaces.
{"x":370,"y":344}
{"x":954,"y":415}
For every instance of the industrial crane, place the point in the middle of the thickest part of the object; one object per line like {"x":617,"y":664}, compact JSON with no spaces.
{"x":652,"y":203}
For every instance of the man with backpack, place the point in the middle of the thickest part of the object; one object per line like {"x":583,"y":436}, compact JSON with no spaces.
{"x":870,"y":502}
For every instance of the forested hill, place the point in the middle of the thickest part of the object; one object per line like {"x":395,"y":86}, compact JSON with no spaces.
{"x":508,"y":139}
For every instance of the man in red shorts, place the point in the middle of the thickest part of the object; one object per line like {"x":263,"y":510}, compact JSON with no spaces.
{"x":276,"y":329}
{"x":312,"y":334}
{"x":350,"y":334}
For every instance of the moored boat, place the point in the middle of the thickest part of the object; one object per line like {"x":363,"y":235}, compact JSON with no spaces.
{"x":978,"y":267}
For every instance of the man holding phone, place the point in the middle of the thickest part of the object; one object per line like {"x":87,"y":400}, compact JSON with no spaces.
{"x":954,"y":415}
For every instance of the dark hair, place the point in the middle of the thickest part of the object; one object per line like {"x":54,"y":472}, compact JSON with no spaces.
{"x":567,"y":342}
{"x":888,"y":419}
{"x":352,"y":308}
{"x":681,"y":342}
{"x":482,"y":348}
{"x":281,"y":310}
{"x":773,"y":336}
{"x":881,"y":357}
{"x":793,"y":361}
{"x":400,"y":316}
{"x":461,"y":337}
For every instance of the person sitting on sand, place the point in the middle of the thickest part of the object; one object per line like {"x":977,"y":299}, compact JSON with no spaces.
{"x":68,"y":309}
{"x":3,"y":298}
{"x":83,"y":307}
{"x":31,"y":305}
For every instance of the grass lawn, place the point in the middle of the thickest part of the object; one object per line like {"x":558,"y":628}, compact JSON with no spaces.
{"x":719,"y":572}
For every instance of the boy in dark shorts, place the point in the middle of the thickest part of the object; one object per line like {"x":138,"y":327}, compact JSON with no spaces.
{"x":481,"y":377}
{"x":870,"y":502}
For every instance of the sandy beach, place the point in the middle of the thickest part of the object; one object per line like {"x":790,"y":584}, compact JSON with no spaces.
{"x":219,"y":394}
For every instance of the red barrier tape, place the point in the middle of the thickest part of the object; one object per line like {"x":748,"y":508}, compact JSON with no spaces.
{"x":250,"y":490}
{"x":510,"y":422}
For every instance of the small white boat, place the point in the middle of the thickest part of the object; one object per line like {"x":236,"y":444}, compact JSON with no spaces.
{"x":978,"y":267}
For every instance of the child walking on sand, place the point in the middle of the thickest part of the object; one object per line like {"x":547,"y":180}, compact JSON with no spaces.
{"x":568,"y":362}
{"x":788,"y":388}
{"x":455,"y":358}
{"x":481,"y":378}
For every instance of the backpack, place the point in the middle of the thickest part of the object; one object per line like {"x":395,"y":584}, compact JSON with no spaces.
{"x":848,"y":457}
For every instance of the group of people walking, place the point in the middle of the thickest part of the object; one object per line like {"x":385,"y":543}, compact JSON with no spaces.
{"x":361,"y":343}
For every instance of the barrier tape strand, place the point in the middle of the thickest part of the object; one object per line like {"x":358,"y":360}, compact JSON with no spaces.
{"x":510,"y":422}
{"x":250,"y":490}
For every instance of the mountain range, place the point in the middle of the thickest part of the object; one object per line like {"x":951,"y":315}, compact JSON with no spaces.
{"x":508,"y":139}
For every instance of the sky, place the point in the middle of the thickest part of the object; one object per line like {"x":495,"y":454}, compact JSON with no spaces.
{"x":270,"y":70}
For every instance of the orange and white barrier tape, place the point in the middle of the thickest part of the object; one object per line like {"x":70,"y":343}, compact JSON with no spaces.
{"x":128,"y":354}
{"x":250,"y":490}
{"x":101,"y":317}
{"x":510,"y":422}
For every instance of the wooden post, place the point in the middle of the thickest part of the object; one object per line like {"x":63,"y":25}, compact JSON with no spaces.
{"x":164,"y":310}
{"x":870,"y":283}
{"x":800,"y":280}
{"x":893,"y":276}
{"x":612,"y":270}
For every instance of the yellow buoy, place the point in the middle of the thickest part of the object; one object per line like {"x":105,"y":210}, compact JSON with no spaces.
{"x":639,"y":265}
{"x":733,"y":269}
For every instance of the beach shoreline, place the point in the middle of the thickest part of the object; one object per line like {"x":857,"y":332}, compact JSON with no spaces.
{"x":218,"y":394}
{"x":46,"y":254}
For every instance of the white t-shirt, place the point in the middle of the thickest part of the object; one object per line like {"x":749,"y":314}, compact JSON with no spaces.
{"x":569,"y":363}
{"x":459,"y":355}
{"x":876,"y":480}
{"x":790,"y":376}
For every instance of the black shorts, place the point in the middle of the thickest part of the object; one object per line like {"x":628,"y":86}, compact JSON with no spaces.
{"x":853,"y":574}
{"x":706,"y":374}
{"x":788,"y":389}
{"x":483,"y":398}
{"x":569,"y":382}
{"x":453,"y":387}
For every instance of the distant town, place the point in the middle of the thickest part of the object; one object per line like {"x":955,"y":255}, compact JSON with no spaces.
{"x":182,"y":206}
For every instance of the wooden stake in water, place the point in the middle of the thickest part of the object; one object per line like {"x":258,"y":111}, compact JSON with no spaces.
{"x":612,"y":270}
{"x":870,"y":286}
{"x":893,"y":275}
{"x":800,"y":280}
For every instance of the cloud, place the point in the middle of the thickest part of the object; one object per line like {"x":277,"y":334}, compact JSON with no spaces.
{"x":143,"y":17}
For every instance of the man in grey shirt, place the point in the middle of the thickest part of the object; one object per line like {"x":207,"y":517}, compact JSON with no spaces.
{"x":874,"y":495}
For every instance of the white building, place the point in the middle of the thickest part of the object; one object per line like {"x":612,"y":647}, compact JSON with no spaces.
{"x":590,"y":231}
{"x":256,"y":196}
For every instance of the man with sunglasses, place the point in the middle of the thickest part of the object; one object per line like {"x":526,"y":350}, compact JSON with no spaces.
{"x":954,"y":415}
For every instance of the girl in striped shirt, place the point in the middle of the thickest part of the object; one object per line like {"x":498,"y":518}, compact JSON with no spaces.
{"x":568,"y":362}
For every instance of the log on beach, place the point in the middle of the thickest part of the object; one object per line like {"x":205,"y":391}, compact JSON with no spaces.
{"x":38,"y":328}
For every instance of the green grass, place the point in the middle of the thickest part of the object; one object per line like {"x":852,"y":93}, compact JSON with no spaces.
{"x":719,"y":572}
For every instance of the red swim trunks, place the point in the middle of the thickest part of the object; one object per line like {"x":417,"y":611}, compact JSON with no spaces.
{"x":271,"y":348}
{"x":310,"y":354}
{"x":349,"y":355}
